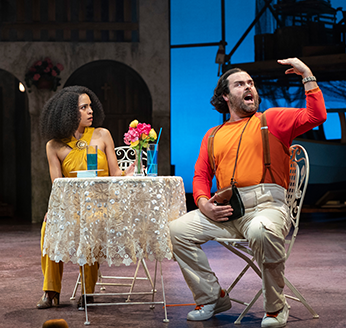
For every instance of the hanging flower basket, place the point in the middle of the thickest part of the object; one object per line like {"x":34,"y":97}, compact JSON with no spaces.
{"x":43,"y":74}
{"x":44,"y":83}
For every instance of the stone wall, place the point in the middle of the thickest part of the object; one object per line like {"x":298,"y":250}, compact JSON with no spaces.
{"x":150,"y":58}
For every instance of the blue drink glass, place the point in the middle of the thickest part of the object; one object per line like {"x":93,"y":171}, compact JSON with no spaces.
{"x":92,"y":158}
{"x":152,"y":154}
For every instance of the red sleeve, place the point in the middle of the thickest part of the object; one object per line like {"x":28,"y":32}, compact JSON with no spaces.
{"x":288,"y":123}
{"x":202,"y":180}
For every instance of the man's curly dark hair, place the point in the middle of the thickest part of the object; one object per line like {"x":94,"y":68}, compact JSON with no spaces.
{"x":60,"y":116}
{"x":222,"y":88}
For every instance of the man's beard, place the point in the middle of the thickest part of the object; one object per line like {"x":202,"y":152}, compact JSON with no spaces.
{"x":240,"y":106}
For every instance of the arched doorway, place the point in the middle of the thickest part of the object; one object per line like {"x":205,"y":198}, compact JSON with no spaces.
{"x":122,"y":92}
{"x":15,"y":151}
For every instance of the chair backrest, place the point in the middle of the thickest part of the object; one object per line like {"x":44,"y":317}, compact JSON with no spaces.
{"x":126,"y":155}
{"x":299,"y":177}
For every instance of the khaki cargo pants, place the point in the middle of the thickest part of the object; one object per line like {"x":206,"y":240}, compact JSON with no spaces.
{"x":265,"y":225}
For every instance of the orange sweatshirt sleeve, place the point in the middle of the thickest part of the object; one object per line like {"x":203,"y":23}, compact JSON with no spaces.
{"x":202,"y":180}
{"x":288,"y":123}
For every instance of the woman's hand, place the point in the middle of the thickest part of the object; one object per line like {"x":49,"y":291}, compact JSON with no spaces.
{"x":130,"y":170}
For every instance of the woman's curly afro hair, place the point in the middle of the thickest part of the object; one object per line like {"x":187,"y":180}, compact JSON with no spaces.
{"x":60,"y":116}
{"x":221,"y":89}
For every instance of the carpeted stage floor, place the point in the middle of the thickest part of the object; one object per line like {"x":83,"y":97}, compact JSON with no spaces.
{"x":317,"y":267}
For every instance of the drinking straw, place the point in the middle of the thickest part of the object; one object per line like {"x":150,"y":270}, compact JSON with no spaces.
{"x":158,"y":139}
{"x":155,"y":152}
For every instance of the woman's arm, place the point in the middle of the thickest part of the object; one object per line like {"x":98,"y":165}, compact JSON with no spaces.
{"x":113,"y":166}
{"x":53,"y":163}
{"x":53,"y":160}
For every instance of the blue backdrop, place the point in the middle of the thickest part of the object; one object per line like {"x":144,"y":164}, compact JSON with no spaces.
{"x":194,"y":73}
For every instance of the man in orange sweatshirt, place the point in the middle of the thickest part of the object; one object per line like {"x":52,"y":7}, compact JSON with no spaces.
{"x":266,"y":222}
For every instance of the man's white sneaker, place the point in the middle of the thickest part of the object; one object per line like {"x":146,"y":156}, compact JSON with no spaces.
{"x":276,"y":321}
{"x":204,"y":312}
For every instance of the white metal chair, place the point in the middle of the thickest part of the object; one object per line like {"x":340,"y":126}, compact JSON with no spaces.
{"x":299,"y":176}
{"x":125,"y":156}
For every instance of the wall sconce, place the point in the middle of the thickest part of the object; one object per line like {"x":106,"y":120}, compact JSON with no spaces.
{"x":21,"y":87}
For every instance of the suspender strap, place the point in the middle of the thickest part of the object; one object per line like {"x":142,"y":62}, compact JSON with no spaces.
{"x":266,"y":149}
{"x":211,"y":147}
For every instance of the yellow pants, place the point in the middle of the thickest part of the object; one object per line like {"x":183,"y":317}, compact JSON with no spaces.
{"x":52,"y":272}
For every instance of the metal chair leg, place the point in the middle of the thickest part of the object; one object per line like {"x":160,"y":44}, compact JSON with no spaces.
{"x":73,"y":297}
{"x":87,"y":322}
{"x":148,"y":274}
{"x":163,"y":294}
{"x":300,"y":298}
{"x":133,"y":282}
{"x":248,"y":307}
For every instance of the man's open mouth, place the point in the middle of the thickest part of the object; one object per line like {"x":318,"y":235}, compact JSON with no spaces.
{"x":248,"y":97}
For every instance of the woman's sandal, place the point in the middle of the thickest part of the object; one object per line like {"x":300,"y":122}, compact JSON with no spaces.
{"x":47,"y":302}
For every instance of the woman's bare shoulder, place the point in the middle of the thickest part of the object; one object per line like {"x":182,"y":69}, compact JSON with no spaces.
{"x":55,"y":144}
{"x":101,"y":132}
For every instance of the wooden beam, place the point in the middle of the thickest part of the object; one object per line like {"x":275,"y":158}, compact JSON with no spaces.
{"x":343,"y":126}
{"x":20,"y":4}
{"x":68,"y":26}
{"x":20,"y":8}
{"x":36,"y":17}
{"x":97,"y":19}
{"x":325,"y":68}
{"x":127,"y":18}
{"x":67,"y":19}
{"x":323,"y":210}
{"x":111,"y":18}
{"x":82,"y":18}
{"x":51,"y":18}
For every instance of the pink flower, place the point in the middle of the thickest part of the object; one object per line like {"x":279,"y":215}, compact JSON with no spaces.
{"x":32,"y":69}
{"x":127,"y":139}
{"x":38,"y":63}
{"x":139,"y":135}
{"x":131,"y":136}
{"x":47,"y":70}
{"x":147,"y":128}
{"x":143,"y":128}
{"x":48,"y":60}
{"x":54,"y":73}
{"x":134,"y":134}
{"x":50,"y":65}
{"x":60,"y":67}
{"x":36,"y":77}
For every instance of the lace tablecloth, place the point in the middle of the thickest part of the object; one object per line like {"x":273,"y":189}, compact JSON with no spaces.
{"x":114,"y":219}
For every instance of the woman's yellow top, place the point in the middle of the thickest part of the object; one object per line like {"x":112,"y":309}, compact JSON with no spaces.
{"x":76,"y":160}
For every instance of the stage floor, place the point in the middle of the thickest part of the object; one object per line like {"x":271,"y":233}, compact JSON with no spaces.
{"x":317,"y":267}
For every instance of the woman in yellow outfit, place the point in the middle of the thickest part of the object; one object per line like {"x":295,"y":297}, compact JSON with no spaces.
{"x":66,"y":121}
